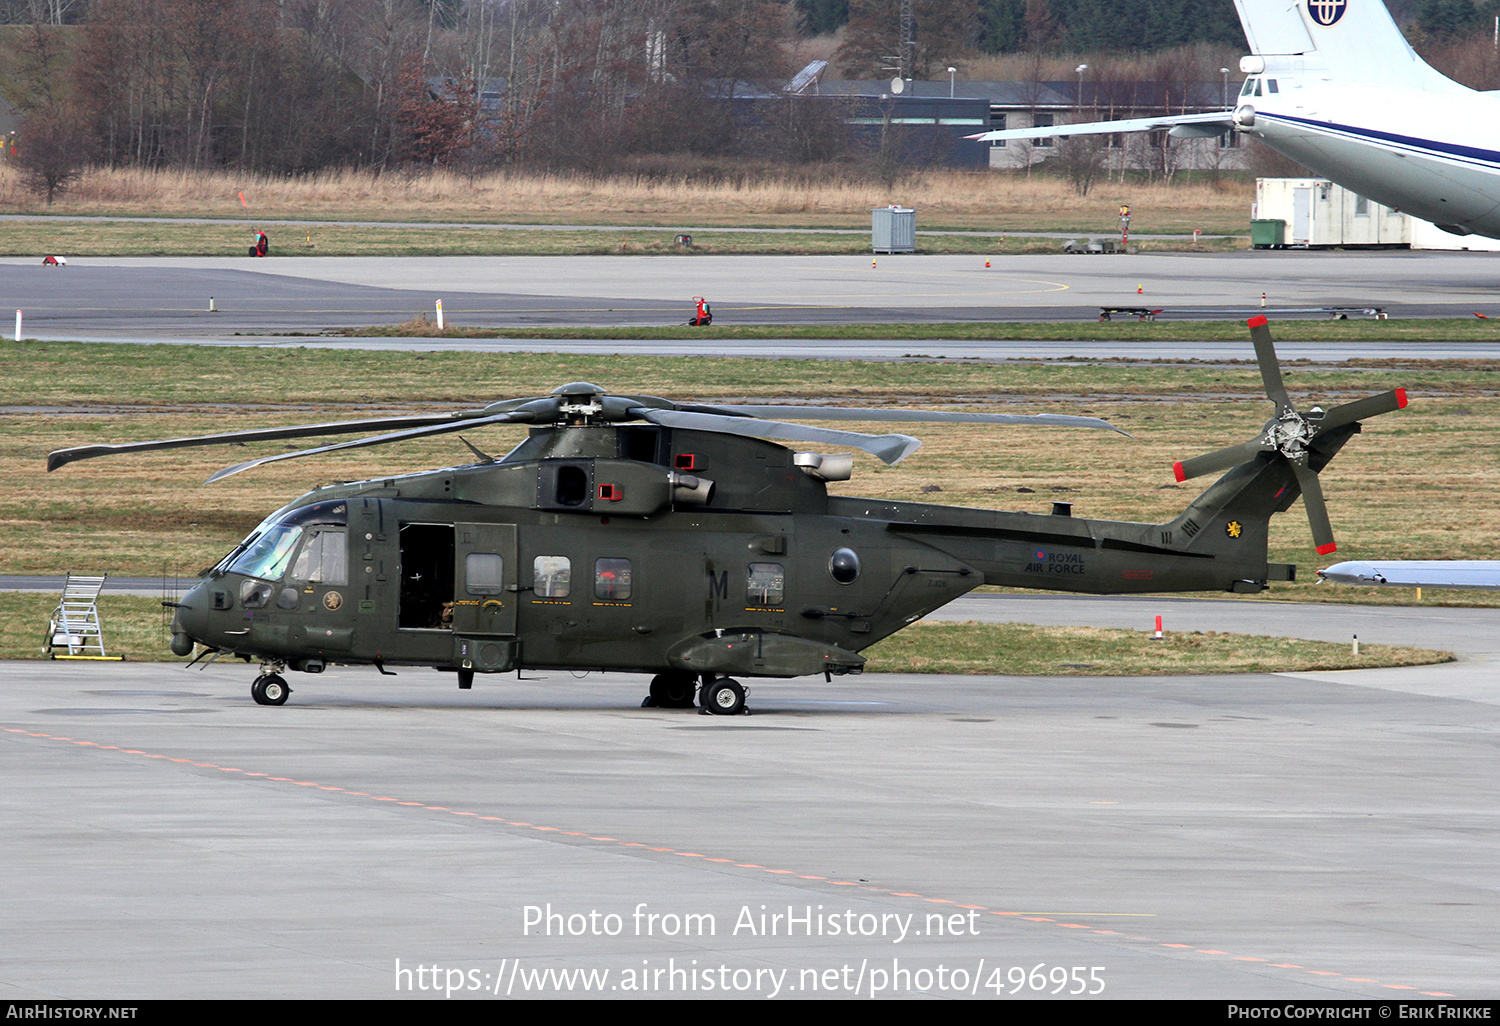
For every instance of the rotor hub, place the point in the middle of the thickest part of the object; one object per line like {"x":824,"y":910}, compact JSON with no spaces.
{"x":1290,"y":434}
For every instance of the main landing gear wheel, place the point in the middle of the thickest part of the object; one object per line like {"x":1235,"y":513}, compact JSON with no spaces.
{"x":671,"y":691}
{"x":724,"y":697}
{"x":269,"y":689}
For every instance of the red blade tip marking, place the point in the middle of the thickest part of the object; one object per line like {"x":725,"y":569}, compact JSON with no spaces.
{"x":1257,"y":321}
{"x":1400,"y":398}
{"x":1178,"y":472}
{"x":1324,"y":550}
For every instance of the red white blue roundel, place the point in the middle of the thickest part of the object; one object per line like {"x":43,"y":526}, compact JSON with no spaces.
{"x":1041,"y":555}
{"x":1326,"y":12}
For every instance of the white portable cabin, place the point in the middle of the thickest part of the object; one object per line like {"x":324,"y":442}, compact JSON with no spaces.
{"x":1319,"y":213}
{"x":1426,"y":235}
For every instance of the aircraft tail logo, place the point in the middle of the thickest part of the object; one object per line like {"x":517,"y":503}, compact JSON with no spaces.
{"x":1326,"y":12}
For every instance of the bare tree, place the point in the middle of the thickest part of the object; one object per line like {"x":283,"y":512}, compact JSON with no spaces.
{"x":1081,"y":158}
{"x":52,"y":150}
{"x":944,"y":34}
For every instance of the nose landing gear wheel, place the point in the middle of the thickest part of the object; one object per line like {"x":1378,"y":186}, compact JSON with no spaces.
{"x":724,"y":697}
{"x":269,"y":689}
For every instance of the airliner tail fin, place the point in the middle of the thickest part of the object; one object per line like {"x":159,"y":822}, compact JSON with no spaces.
{"x":1353,"y":41}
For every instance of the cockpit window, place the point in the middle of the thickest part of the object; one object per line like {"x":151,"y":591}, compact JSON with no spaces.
{"x":267,"y":550}
{"x":1249,"y":87}
{"x":323,"y":558}
{"x":267,"y":557}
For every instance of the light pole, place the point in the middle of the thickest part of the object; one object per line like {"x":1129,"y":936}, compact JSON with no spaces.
{"x":951,"y":73}
{"x":1224,"y":101}
{"x":1078,"y":104}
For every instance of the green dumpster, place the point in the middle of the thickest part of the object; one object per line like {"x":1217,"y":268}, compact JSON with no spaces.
{"x":1268,"y":233}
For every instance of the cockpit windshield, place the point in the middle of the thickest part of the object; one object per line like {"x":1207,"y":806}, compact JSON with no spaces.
{"x":267,"y":551}
{"x":268,"y":555}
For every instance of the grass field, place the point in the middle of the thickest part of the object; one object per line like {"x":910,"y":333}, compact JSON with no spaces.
{"x":1436,"y":330}
{"x":134,"y":626}
{"x":985,"y":200}
{"x":150,"y":238}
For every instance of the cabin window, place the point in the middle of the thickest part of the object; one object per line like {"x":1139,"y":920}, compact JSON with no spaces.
{"x":255,"y":594}
{"x":324,"y":558}
{"x":766,"y":585}
{"x":1271,"y":85}
{"x":612,"y":579}
{"x":1361,"y":207}
{"x":484,"y":573}
{"x":552,"y":576}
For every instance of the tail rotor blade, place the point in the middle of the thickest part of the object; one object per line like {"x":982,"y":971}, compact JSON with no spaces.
{"x":1221,"y":460}
{"x":1317,"y":509}
{"x":1362,"y":409}
{"x":1270,"y":368}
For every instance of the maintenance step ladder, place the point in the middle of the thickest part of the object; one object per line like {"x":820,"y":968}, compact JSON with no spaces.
{"x":75,"y":622}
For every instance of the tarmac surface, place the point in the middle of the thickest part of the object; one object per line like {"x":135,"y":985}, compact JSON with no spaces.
{"x":1288,"y":836}
{"x":168,"y":298}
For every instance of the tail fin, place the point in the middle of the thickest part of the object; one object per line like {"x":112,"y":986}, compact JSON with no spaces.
{"x":1297,"y":445}
{"x":1352,"y":41}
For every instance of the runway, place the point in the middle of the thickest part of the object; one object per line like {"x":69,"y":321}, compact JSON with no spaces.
{"x":1316,"y":836}
{"x":168,"y":299}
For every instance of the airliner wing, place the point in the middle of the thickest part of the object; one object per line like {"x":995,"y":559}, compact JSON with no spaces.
{"x":1211,"y":123}
{"x":1417,"y":573}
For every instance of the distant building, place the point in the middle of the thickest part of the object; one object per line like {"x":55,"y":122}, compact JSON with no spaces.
{"x":1050,"y":104}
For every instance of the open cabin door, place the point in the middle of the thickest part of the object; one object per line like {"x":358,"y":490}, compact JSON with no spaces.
{"x":484,"y":579}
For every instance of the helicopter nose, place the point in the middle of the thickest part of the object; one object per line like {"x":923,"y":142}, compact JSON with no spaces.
{"x":190,"y":621}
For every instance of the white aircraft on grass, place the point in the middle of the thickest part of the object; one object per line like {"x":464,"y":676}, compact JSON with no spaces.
{"x":1334,"y":85}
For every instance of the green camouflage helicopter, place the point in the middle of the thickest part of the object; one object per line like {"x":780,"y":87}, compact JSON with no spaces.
{"x":636,"y":534}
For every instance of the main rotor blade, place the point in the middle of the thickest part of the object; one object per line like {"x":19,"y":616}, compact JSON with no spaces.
{"x":1221,"y":460}
{"x":889,"y":448}
{"x":395,"y":436}
{"x":62,"y":457}
{"x":1270,"y":367}
{"x":908,"y":416}
{"x":1317,"y":509}
{"x":1361,"y":409}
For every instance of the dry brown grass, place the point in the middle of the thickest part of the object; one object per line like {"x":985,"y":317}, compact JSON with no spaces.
{"x":980,"y":200}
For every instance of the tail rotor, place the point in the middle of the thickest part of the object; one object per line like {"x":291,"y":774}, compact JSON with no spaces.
{"x":1291,"y":435}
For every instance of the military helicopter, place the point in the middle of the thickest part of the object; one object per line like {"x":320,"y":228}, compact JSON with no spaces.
{"x":632,"y":533}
